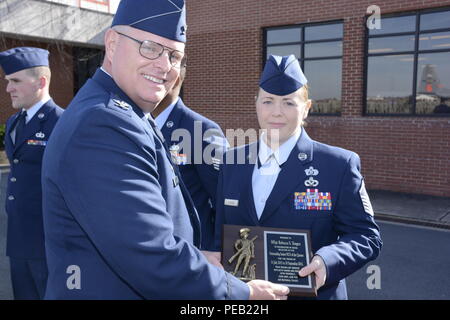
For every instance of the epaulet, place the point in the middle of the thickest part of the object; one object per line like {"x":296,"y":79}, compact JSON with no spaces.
{"x":116,"y":103}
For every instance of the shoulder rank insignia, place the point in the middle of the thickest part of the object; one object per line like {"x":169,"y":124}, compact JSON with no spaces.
{"x":121,"y":104}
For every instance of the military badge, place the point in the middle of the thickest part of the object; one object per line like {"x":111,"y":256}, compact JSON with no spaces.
{"x":311,"y":171}
{"x":40,"y":135}
{"x":365,"y":199}
{"x":121,"y":104}
{"x":216,"y":163}
{"x":302,"y":156}
{"x":311,"y":182}
{"x":36,"y":143}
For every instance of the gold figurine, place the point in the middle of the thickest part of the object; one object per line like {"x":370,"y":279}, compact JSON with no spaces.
{"x":245,"y":250}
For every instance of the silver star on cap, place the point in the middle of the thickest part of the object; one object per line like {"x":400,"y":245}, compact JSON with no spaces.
{"x":121,"y":104}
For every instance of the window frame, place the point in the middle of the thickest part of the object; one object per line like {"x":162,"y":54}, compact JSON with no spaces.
{"x":416,"y":33}
{"x":302,"y":44}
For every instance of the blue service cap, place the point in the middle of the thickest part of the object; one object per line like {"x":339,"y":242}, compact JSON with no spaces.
{"x":165,"y":18}
{"x":282,"y":75}
{"x":17,"y":59}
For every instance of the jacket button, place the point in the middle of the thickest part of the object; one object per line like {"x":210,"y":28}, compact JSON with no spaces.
{"x":13,"y":179}
{"x":16,"y":161}
{"x":11,"y":198}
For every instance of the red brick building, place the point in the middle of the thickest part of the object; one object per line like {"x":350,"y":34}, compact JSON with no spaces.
{"x":374,"y":90}
{"x":362,"y":80}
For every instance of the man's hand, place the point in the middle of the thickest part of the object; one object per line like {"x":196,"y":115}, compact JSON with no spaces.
{"x":213,"y":258}
{"x":318,"y":267}
{"x":265,"y":290}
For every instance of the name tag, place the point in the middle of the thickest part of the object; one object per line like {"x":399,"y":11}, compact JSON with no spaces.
{"x":231,"y":202}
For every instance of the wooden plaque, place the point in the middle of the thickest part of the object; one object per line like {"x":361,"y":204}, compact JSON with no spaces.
{"x":272,"y":254}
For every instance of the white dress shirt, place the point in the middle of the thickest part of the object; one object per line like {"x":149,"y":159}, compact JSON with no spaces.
{"x":264,"y":178}
{"x":35,"y":108}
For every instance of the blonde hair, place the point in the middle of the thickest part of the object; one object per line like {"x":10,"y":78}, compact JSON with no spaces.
{"x":305,"y":90}
{"x":38,"y":72}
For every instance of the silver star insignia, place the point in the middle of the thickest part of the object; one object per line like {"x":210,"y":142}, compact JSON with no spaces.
{"x":121,"y":104}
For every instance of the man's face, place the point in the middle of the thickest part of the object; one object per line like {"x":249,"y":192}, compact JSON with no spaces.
{"x":281,"y":116}
{"x":145,"y":81}
{"x":23,"y":88}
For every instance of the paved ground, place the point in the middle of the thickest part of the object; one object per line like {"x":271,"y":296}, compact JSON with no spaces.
{"x":413,"y":264}
{"x":416,"y":208}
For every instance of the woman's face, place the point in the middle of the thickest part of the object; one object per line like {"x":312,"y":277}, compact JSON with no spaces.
{"x":281,"y":116}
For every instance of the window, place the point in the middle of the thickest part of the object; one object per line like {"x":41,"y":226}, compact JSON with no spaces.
{"x":319,"y":50}
{"x":408,"y":65}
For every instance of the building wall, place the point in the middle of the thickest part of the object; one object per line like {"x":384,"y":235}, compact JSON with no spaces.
{"x":61,"y":64}
{"x":225,"y":48}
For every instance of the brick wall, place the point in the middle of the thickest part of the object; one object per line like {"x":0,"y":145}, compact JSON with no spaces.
{"x":61,"y":64}
{"x":405,"y":154}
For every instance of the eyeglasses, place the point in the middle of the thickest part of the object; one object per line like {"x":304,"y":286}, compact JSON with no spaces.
{"x":153,"y":50}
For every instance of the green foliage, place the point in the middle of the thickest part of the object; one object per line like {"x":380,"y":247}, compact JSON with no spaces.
{"x":2,"y":136}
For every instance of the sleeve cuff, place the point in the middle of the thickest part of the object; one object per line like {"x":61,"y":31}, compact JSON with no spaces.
{"x":236,"y":289}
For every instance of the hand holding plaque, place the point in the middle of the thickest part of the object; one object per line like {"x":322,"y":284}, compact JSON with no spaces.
{"x":271,"y":254}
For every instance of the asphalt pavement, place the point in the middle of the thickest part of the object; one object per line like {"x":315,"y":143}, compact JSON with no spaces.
{"x":413,"y":265}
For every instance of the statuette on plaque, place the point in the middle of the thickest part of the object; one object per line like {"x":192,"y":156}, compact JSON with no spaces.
{"x":245,"y":251}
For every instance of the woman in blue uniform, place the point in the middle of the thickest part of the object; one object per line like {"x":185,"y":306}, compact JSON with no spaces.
{"x":297,"y":183}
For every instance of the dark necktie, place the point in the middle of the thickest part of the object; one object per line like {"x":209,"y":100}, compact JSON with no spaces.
{"x":20,"y":126}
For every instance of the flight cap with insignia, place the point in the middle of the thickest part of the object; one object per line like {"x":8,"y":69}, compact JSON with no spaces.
{"x":282,"y":75}
{"x":165,"y":18}
{"x":21,"y":58}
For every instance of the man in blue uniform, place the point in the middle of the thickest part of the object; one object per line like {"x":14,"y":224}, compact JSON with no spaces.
{"x":196,"y":145}
{"x":294,"y":182}
{"x":119,"y":222}
{"x":28,"y":74}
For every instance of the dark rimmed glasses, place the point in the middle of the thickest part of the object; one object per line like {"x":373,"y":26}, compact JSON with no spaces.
{"x":153,"y":50}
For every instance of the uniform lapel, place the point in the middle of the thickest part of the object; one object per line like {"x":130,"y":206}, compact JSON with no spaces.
{"x":173,"y":121}
{"x":290,"y":176}
{"x":9,"y":145}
